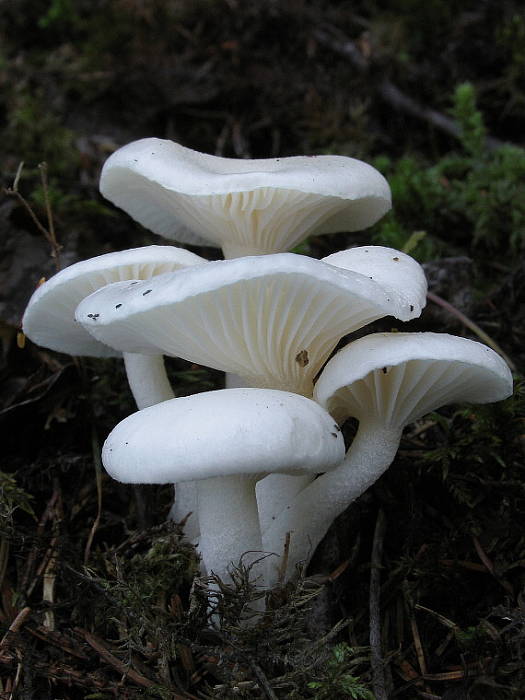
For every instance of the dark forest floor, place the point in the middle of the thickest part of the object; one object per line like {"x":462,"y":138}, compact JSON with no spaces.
{"x":99,"y":595}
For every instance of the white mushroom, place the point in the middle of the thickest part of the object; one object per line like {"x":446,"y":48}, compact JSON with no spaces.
{"x":386,"y":381}
{"x":49,"y":318}
{"x":273,"y":320}
{"x":395,"y":271}
{"x":246,"y":207}
{"x":226,"y":440}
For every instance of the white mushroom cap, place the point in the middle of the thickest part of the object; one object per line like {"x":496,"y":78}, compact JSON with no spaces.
{"x":272,"y":320}
{"x":396,"y":378}
{"x":223,"y":433}
{"x":49,"y":318}
{"x":395,"y":271}
{"x":244,"y":206}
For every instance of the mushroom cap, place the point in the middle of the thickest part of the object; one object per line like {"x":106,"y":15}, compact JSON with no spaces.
{"x":273,"y":319}
{"x":396,"y":272}
{"x":49,"y":318}
{"x":256,"y":206}
{"x":223,"y":433}
{"x":396,"y":378}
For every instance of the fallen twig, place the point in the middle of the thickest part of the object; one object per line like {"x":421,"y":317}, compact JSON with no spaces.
{"x":118,"y":665}
{"x":466,"y":321}
{"x":332,"y":39}
{"x":376,"y":656}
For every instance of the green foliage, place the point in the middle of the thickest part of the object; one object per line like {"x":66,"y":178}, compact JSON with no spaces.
{"x":470,"y":120}
{"x":60,"y":12}
{"x":474,"y":197}
{"x":476,"y":454}
{"x":39,"y":134}
{"x":337,"y":682}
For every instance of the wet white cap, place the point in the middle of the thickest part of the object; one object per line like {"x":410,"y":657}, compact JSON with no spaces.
{"x":244,"y":206}
{"x":223,"y":433}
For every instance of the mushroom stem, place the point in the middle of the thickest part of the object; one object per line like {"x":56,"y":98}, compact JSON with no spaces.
{"x":150,"y":385}
{"x":274,"y":491}
{"x":308,"y":517}
{"x":229,"y":524}
{"x":147,"y":379}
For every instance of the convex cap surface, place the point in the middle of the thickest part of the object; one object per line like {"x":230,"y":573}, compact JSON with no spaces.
{"x":223,"y":433}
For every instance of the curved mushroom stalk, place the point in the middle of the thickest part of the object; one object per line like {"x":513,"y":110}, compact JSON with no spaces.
{"x":309,"y":515}
{"x":386,"y":381}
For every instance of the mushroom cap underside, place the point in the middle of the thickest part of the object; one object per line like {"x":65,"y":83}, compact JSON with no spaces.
{"x":267,"y":205}
{"x":272,"y":319}
{"x":396,"y":378}
{"x":49,"y":318}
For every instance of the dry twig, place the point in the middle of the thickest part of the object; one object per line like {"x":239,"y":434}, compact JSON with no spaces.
{"x":376,"y":656}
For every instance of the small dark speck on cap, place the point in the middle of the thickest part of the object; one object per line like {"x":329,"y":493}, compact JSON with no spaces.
{"x":146,"y":292}
{"x":396,"y":259}
{"x":411,"y":307}
{"x":337,"y":428}
{"x":334,"y":434}
{"x":135,"y":282}
{"x":118,"y":306}
{"x":135,"y":160}
{"x":127,"y":443}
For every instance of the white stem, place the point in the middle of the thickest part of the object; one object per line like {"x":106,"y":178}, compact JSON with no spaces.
{"x":310,"y":514}
{"x":184,"y":503}
{"x":147,"y":379}
{"x":275,"y":491}
{"x":229,"y":524}
{"x":150,"y":385}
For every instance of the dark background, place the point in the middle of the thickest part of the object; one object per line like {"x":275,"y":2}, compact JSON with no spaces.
{"x":433,"y":94}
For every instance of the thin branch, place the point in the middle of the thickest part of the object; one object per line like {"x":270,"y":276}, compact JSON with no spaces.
{"x":112,"y":660}
{"x":466,"y":321}
{"x":49,"y":234}
{"x":332,"y":39}
{"x":55,"y":247}
{"x":376,"y":657}
{"x":95,"y":448}
{"x":262,"y":681}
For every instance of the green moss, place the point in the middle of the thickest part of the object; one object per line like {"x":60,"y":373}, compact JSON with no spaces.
{"x":472,"y":198}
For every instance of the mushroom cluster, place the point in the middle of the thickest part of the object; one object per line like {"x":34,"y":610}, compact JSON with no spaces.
{"x":263,"y":461}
